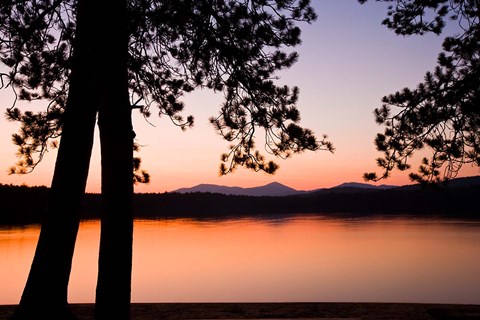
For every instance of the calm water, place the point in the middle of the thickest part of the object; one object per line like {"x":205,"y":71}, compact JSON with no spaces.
{"x":311,"y":259}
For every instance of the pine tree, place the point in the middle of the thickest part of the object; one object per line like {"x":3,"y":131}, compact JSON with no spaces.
{"x":443,"y":112}
{"x":146,"y":55}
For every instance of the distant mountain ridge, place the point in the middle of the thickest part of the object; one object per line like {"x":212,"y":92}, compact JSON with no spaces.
{"x":278,"y":189}
{"x":271,"y":189}
{"x":364,"y":186}
{"x":458,"y":199}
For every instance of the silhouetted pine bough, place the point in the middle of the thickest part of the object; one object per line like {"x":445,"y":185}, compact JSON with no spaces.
{"x":22,"y":205}
{"x":441,"y":113}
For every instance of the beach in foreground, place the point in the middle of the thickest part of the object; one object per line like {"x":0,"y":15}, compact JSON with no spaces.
{"x":392,"y":311}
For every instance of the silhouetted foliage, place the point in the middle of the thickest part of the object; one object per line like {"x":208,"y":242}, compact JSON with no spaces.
{"x":174,"y":47}
{"x":139,"y":176}
{"x":443,"y":112}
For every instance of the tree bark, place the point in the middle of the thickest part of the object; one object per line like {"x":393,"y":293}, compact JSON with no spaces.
{"x":98,"y":82}
{"x":46,"y":287}
{"x":45,"y":293}
{"x":46,"y":290}
{"x":116,"y":139}
{"x":115,"y":259}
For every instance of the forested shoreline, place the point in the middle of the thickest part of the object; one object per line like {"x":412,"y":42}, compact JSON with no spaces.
{"x":25,"y":205}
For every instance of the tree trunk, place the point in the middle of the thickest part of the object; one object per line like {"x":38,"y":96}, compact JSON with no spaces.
{"x":45,"y":293}
{"x":115,"y":259}
{"x":46,"y":287}
{"x":98,"y":78}
{"x":116,"y":139}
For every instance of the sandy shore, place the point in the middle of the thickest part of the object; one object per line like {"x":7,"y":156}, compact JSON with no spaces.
{"x":392,"y":311}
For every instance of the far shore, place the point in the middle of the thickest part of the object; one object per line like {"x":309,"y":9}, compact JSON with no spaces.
{"x":454,"y":202}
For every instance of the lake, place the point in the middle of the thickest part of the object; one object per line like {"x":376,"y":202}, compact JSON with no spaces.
{"x":296,"y":259}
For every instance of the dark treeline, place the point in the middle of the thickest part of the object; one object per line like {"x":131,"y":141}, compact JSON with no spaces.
{"x":21,"y":204}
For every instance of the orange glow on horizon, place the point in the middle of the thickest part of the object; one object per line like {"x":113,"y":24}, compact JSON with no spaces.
{"x":342,"y":79}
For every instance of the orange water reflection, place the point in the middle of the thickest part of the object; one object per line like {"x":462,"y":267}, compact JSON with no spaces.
{"x":307,"y":259}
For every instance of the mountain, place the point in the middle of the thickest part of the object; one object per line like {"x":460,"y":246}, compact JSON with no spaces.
{"x":458,"y":199}
{"x":278,"y":189}
{"x":271,"y":189}
{"x":364,"y":186}
{"x":465,"y":182}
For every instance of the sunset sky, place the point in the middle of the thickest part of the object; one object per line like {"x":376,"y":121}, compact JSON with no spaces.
{"x":348,"y":61}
